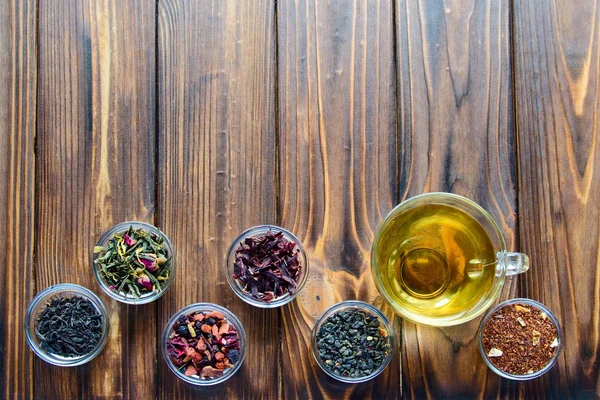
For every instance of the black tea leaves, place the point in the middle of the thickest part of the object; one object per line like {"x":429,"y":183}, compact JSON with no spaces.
{"x":69,"y":327}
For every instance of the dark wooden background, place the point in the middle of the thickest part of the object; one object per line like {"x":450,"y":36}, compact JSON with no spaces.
{"x":208,"y":117}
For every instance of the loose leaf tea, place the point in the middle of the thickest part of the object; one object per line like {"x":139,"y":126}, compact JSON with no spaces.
{"x":353,"y":343}
{"x":134,"y":263}
{"x":69,"y":327}
{"x":267,"y":266}
{"x":519,"y":339}
{"x":203,"y":344}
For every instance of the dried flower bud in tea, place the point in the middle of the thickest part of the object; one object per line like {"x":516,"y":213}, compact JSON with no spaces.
{"x":519,"y":339}
{"x":353,"y":343}
{"x":135,"y":263}
{"x":267,"y":266}
{"x":203,"y":344}
{"x":69,"y":327}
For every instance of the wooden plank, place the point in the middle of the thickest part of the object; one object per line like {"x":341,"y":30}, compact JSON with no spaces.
{"x":18,"y":80}
{"x":217,"y":170}
{"x":337,"y":127}
{"x":557,"y":58}
{"x":456,"y":135}
{"x":96,"y":142}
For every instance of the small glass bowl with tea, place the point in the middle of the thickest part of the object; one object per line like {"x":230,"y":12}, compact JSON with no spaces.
{"x":134,"y":262}
{"x":204,"y":344}
{"x":66,"y":325}
{"x":352,"y":341}
{"x":266,"y":266}
{"x":520,"y":339}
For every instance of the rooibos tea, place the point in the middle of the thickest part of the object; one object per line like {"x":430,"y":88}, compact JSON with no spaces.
{"x":519,"y":339}
{"x":69,"y":327}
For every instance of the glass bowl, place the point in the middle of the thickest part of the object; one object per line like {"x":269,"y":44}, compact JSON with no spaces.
{"x":368,"y":309}
{"x":120,"y":229}
{"x":534,"y":304}
{"x":237,"y":287}
{"x":39,"y":303}
{"x":230,"y":318}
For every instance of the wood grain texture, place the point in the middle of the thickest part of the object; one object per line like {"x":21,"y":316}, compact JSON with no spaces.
{"x":208,"y":117}
{"x":337,"y":129}
{"x":456,"y":135}
{"x":96,"y":124}
{"x":18,"y":80}
{"x":557,"y":59}
{"x":217,"y":170}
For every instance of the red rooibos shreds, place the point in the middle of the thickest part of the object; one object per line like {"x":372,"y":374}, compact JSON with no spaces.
{"x":520,"y":339}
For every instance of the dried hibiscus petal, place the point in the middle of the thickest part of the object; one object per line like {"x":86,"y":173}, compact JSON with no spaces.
{"x":173,"y":352}
{"x":267,"y":266}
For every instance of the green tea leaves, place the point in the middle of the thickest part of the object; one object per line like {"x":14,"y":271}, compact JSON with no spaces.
{"x":135,"y":263}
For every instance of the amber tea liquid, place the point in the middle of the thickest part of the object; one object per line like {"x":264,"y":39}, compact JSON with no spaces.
{"x":436,"y":260}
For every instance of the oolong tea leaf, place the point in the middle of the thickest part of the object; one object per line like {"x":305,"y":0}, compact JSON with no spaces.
{"x":267,"y":266}
{"x":134,"y":263}
{"x":353,"y":343}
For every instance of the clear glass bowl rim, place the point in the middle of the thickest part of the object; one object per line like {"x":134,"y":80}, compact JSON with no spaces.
{"x":40,"y":298}
{"x":363,"y":306}
{"x":231,"y":317}
{"x":121,"y":227}
{"x":256,"y":231}
{"x":540,"y":306}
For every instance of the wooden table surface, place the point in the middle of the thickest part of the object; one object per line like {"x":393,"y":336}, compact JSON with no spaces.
{"x":208,"y":117}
